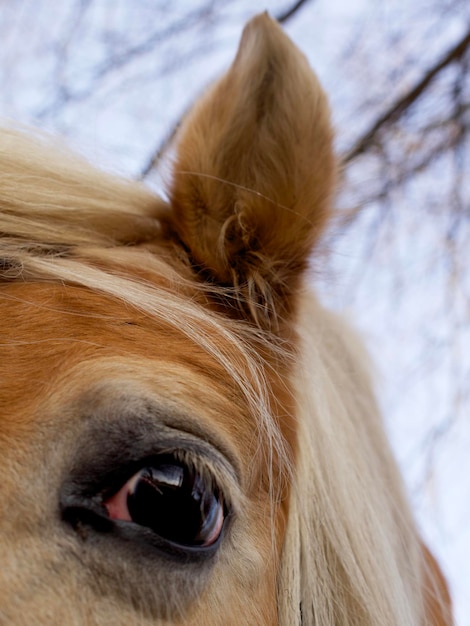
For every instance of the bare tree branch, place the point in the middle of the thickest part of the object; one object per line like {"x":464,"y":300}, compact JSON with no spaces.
{"x":162,"y":148}
{"x":290,"y":12}
{"x":117,"y":62}
{"x":399,"y":107}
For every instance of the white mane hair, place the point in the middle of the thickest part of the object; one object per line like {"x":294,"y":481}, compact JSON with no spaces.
{"x":352,"y":554}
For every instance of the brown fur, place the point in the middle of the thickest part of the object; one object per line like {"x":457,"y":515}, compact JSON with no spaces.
{"x":128,"y":324}
{"x":247,"y":202}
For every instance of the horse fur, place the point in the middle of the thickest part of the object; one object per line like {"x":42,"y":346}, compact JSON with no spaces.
{"x":126,"y":319}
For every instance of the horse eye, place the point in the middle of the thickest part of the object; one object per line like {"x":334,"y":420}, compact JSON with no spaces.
{"x":174,"y":501}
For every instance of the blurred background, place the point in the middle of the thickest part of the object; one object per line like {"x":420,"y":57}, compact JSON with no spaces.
{"x":116,"y":76}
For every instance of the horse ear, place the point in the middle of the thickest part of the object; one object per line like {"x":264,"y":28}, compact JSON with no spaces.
{"x":253,"y":174}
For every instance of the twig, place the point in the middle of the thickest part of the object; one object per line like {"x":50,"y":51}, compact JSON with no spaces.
{"x":162,"y":148}
{"x":403,"y":103}
{"x":290,"y":12}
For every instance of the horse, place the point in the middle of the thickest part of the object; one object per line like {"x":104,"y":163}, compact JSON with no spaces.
{"x":187,"y":436}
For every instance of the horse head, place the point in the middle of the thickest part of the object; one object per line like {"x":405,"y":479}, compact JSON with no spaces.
{"x":186,"y":436}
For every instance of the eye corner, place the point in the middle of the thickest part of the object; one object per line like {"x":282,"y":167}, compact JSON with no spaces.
{"x":81,"y":512}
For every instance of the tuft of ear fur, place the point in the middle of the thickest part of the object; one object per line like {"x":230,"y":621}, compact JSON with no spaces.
{"x":254,"y":174}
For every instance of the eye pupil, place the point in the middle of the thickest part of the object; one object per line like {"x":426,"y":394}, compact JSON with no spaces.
{"x":176,"y":503}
